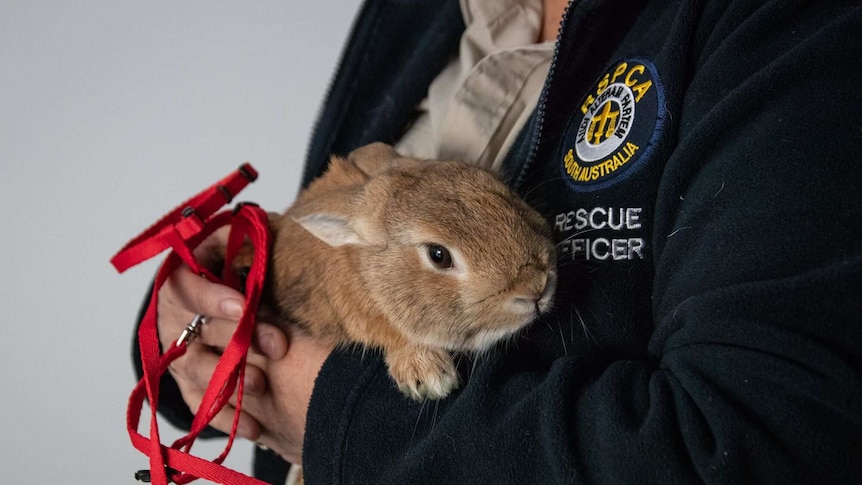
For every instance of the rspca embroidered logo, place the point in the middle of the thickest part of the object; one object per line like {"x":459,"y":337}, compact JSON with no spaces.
{"x":618,"y":125}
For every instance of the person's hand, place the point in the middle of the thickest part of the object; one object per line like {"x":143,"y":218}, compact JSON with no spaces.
{"x":281,"y":411}
{"x":185,"y":294}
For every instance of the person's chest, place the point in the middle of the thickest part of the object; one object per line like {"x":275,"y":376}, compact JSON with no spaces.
{"x":606,"y":126}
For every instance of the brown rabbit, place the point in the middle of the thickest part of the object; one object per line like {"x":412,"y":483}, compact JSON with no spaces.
{"x":416,"y":258}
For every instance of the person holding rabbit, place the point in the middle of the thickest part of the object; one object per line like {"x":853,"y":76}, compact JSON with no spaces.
{"x":696,"y":167}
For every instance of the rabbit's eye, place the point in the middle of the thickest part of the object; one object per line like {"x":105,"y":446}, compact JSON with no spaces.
{"x":439,"y":256}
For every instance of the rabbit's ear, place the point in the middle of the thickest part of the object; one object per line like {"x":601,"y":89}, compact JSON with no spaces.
{"x":331,"y":208}
{"x":337,"y":230}
{"x":373,"y":158}
{"x":333,"y":229}
{"x":332,"y":218}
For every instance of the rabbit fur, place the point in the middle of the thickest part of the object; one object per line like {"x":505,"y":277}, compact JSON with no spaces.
{"x":353,"y":260}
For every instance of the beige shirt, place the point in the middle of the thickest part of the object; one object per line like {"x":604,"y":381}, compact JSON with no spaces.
{"x":477,"y":105}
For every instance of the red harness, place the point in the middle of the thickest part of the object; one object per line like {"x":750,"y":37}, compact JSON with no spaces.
{"x":183,"y":229}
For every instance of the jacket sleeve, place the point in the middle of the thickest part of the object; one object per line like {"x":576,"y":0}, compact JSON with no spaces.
{"x":753,"y":373}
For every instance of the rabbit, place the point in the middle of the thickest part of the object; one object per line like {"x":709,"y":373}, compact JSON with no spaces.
{"x":416,"y":258}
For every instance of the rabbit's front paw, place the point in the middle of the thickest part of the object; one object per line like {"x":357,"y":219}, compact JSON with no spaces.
{"x":422,"y":373}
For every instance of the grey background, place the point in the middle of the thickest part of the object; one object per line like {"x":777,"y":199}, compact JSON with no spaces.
{"x":111,"y":113}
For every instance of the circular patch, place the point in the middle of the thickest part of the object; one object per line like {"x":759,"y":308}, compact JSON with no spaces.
{"x":616,"y":127}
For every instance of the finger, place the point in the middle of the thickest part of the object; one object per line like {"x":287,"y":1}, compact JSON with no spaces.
{"x":195,"y":294}
{"x":247,"y":427}
{"x":192,"y":385}
{"x":276,"y":443}
{"x":254,"y":386}
{"x":216,"y":333}
{"x":192,"y":377}
{"x":269,"y":438}
{"x":270,"y":341}
{"x":270,"y":419}
{"x":267,"y":340}
{"x":194,"y":370}
{"x":207,"y":248}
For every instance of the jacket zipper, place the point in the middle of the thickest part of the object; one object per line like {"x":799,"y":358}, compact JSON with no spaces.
{"x":543,"y":99}
{"x":339,"y":67}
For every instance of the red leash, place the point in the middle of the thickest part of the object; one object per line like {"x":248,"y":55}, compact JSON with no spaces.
{"x":182,"y":230}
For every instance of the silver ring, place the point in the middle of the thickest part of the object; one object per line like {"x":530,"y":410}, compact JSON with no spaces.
{"x":192,"y":330}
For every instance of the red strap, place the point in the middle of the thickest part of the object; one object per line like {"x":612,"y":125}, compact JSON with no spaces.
{"x":183,"y":229}
{"x":157,"y":237}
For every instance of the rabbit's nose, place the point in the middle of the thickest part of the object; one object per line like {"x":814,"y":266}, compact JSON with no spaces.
{"x":547,"y":297}
{"x":528,"y":307}
{"x":538,"y":295}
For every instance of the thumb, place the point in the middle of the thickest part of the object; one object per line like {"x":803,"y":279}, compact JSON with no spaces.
{"x":270,"y":340}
